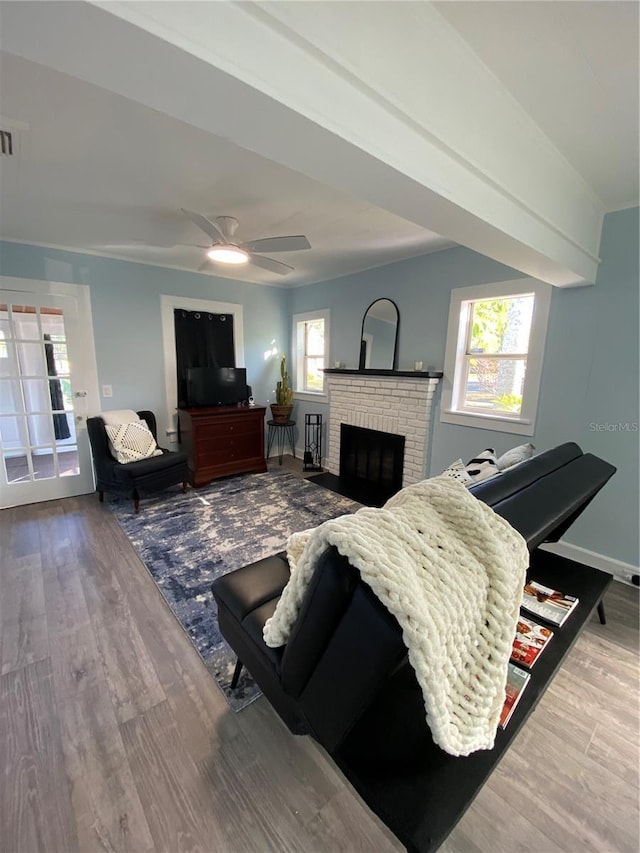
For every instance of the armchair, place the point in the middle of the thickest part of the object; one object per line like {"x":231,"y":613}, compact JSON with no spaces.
{"x":156,"y":472}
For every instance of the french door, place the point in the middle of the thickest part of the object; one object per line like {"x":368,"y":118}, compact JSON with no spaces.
{"x":47,"y":385}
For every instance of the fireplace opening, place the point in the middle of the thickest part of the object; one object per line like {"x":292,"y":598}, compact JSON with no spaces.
{"x":372,"y":461}
{"x":371,"y":465}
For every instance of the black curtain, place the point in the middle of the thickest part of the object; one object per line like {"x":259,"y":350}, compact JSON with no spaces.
{"x":202,"y":340}
{"x":60,"y":422}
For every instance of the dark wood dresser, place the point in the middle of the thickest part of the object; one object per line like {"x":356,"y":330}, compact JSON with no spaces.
{"x":222,"y":440}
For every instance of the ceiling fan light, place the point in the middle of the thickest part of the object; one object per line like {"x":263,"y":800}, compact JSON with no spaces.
{"x":228,"y":254}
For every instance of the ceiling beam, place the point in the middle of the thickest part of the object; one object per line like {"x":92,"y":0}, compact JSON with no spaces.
{"x":274,"y":80}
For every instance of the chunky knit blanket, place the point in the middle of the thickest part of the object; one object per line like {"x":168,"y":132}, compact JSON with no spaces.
{"x":451,"y":571}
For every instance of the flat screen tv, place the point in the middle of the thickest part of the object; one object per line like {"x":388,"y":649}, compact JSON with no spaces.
{"x":216,"y":386}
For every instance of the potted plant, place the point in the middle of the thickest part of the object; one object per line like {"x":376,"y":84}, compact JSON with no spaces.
{"x":282,"y":408}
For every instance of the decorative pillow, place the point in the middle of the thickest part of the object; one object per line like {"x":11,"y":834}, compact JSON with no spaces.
{"x":515,"y":455}
{"x":132,"y":442}
{"x":457,"y":471}
{"x":483,"y":466}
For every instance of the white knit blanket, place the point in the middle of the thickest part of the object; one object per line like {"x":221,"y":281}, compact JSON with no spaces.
{"x":451,"y":571}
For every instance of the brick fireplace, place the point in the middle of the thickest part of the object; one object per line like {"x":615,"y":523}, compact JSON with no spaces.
{"x":395,"y":402}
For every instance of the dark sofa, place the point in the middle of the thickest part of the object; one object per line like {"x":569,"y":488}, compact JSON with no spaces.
{"x":344,"y":677}
{"x":345,"y":644}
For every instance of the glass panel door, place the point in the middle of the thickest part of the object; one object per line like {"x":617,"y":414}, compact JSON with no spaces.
{"x":42,"y":403}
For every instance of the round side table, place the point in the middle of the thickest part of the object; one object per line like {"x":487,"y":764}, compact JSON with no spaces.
{"x":281,"y":430}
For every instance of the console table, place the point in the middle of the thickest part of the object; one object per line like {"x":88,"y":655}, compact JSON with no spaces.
{"x":222,"y":440}
{"x":422,"y":802}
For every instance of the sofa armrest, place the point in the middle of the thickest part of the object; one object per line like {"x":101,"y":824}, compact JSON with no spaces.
{"x":248,"y":588}
{"x":520,"y":477}
{"x":545,"y":509}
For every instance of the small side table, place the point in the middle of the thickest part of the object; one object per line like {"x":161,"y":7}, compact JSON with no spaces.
{"x":281,"y":429}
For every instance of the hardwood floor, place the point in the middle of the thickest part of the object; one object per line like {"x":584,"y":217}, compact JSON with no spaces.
{"x":114,"y":737}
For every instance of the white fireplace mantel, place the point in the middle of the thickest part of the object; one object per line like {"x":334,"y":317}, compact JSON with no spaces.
{"x":394,"y":401}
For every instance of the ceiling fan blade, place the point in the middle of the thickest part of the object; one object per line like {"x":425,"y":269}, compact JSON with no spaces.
{"x":277,"y":244}
{"x":270,"y":264}
{"x":208,"y":227}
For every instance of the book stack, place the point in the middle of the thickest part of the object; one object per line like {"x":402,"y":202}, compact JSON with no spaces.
{"x":531,"y":639}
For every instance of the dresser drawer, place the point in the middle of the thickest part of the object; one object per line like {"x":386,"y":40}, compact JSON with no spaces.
{"x":221,"y":428}
{"x":222,"y":441}
{"x":216,"y":451}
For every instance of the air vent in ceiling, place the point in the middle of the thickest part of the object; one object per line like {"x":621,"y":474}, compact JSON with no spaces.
{"x":6,"y":143}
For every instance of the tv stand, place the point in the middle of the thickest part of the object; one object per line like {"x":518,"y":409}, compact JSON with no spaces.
{"x":222,"y":440}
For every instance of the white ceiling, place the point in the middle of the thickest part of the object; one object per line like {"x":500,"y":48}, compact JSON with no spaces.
{"x":573,"y":66}
{"x":101,"y":173}
{"x":98,"y":172}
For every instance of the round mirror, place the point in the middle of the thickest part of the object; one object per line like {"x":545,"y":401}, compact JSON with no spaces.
{"x":379,"y":337}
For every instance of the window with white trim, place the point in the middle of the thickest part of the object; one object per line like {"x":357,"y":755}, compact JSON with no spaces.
{"x":493,"y":362}
{"x":311,"y":349}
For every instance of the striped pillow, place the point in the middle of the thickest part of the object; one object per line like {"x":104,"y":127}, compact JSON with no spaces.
{"x":483,"y":466}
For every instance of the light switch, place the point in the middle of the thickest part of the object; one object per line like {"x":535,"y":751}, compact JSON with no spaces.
{"x":107,"y":391}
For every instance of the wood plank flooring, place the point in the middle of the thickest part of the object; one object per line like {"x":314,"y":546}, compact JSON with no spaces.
{"x":113,"y":736}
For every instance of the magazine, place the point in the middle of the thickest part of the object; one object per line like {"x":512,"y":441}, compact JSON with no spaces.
{"x":549,"y":604}
{"x":516,"y":682}
{"x":529,"y":641}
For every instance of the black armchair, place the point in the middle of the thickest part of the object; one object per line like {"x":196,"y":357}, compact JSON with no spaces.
{"x":156,"y":472}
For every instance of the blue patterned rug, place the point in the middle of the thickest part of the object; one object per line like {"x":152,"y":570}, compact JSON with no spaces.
{"x":186,"y":541}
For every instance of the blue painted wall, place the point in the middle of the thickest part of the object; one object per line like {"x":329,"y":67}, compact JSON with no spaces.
{"x":590,"y":374}
{"x":420,"y":287}
{"x":125,"y":302}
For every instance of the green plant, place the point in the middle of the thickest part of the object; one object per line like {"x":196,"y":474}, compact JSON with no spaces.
{"x":284,"y":394}
{"x":509,"y":402}
{"x":489,"y":325}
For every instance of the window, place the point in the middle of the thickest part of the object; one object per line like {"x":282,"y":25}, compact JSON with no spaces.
{"x":311,"y":348}
{"x":493,"y":363}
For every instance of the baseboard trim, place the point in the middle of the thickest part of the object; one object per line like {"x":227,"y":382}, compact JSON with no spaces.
{"x":620,"y":570}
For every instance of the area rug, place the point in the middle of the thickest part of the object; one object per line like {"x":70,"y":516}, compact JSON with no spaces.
{"x":186,"y":541}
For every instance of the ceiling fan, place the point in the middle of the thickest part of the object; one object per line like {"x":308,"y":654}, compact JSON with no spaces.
{"x":226,"y":250}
